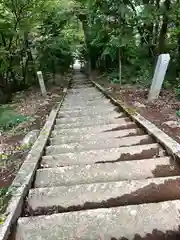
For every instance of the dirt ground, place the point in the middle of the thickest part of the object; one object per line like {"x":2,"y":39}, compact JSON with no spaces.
{"x":28,"y":103}
{"x":163,"y":112}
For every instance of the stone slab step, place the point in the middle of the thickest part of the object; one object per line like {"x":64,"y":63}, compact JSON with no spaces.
{"x":77,"y":100}
{"x":88,"y":103}
{"x":152,"y":220}
{"x":123,"y":122}
{"x":84,"y":92}
{"x":95,"y":95}
{"x":99,"y":144}
{"x":103,"y":195}
{"x":91,"y":88}
{"x":61,"y":139}
{"x":92,"y":129}
{"x":106,"y":172}
{"x":108,"y":155}
{"x":88,"y":108}
{"x":86,"y":112}
{"x":84,"y":95}
{"x":70,"y":98}
{"x":112,"y":115}
{"x":79,"y":86}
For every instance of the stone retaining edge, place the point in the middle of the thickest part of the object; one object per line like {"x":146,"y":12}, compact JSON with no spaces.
{"x":171,"y":146}
{"x":25,"y":176}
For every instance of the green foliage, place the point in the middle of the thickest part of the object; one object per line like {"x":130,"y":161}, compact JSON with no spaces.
{"x":5,"y":195}
{"x":35,"y":35}
{"x":138,"y":30}
{"x":178,"y":113}
{"x":178,"y":93}
{"x":9,"y":118}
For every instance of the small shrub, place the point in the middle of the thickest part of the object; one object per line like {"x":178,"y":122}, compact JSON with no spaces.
{"x":5,"y":195}
{"x":177,"y":91}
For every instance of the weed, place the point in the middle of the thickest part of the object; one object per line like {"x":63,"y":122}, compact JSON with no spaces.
{"x":5,"y":195}
{"x":9,"y":118}
{"x":178,"y":93}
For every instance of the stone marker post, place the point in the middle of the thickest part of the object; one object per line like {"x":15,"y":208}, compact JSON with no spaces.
{"x":159,"y":74}
{"x":42,"y":84}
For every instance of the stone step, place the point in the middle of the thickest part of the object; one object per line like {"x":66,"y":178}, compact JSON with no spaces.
{"x":85,"y":95}
{"x":92,"y":129}
{"x":81,"y":82}
{"x":105,"y":223}
{"x":76,"y":100}
{"x":87,"y":104}
{"x":98,"y":144}
{"x":106,"y":172}
{"x":85,"y":89}
{"x":104,"y":107}
{"x":77,"y":86}
{"x":61,"y":139}
{"x":70,"y":98}
{"x":86,"y":112}
{"x":123,"y":122}
{"x":108,"y":155}
{"x":112,"y":115}
{"x":103,"y":195}
{"x":81,"y":95}
{"x":109,"y":118}
{"x":84,"y":92}
{"x":87,"y":109}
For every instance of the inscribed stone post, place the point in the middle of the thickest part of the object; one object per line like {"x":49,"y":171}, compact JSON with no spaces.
{"x":159,"y":75}
{"x":42,"y":84}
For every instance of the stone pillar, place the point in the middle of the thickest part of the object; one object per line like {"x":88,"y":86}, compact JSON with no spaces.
{"x":42,"y":84}
{"x":159,"y":75}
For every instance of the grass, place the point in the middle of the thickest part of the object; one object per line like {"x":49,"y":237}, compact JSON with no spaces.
{"x":5,"y":196}
{"x":9,"y":118}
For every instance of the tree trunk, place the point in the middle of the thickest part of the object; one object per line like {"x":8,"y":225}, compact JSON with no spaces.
{"x":120,"y":67}
{"x":163,"y":31}
{"x":156,"y":28}
{"x":85,"y":30}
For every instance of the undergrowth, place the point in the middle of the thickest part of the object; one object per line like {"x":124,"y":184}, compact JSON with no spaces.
{"x":5,"y":195}
{"x":9,"y":118}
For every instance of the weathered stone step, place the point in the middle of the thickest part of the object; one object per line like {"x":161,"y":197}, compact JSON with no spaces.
{"x":107,"y":223}
{"x":103,"y":195}
{"x":86,"y":112}
{"x":108,"y":155}
{"x":122,"y":122}
{"x":114,"y":117}
{"x":80,"y":104}
{"x":61,"y":139}
{"x":92,"y":129}
{"x":88,"y":108}
{"x":88,"y":104}
{"x":85,"y":95}
{"x":75,"y":98}
{"x":77,"y":86}
{"x":106,"y":172}
{"x":89,"y":118}
{"x":99,"y":144}
{"x":90,"y":90}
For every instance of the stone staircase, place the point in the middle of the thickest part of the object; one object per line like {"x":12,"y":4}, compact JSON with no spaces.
{"x":101,"y":177}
